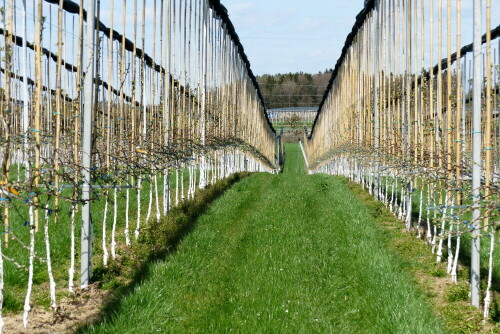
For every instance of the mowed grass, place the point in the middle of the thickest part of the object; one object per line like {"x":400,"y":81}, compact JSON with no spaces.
{"x":278,"y":254}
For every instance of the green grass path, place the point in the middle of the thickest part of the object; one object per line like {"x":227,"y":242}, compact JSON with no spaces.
{"x":278,"y":254}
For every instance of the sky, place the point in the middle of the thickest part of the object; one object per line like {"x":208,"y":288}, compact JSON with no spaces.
{"x":281,"y":36}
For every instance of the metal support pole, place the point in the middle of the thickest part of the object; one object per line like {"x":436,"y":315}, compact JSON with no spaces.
{"x":376,"y":137}
{"x":476,"y":156}
{"x":166,"y":107}
{"x":407,"y":121}
{"x":86,"y":247}
{"x":204,"y":79}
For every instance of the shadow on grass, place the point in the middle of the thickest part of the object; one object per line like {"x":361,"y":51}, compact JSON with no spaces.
{"x":158,"y":241}
{"x":376,"y":208}
{"x":465,"y":249}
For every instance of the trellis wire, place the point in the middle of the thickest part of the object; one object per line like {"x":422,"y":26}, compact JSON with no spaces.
{"x":420,"y":127}
{"x":86,"y":113}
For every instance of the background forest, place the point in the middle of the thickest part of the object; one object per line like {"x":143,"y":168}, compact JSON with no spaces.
{"x":293,"y":89}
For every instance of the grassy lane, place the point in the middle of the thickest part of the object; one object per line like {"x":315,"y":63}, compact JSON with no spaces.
{"x":278,"y":254}
{"x":295,"y":166}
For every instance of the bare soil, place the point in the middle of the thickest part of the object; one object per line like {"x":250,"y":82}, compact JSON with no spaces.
{"x":84,"y":306}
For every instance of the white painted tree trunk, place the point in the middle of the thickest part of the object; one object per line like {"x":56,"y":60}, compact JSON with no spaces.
{"x":391,"y":205}
{"x":441,"y":236}
{"x":105,"y":254}
{"x":449,"y":245}
{"x":454,"y":269}
{"x":409,"y":206}
{"x":27,"y":304}
{"x":402,"y":212}
{"x":386,"y":191}
{"x":157,"y":199}
{"x":150,"y":205}
{"x":113,"y":229}
{"x":399,"y":205}
{"x":203,"y":181}
{"x":127,"y":210}
{"x":176,"y":187}
{"x":487,"y":298}
{"x":195,"y":178}
{"x":166,"y":192}
{"x":182,"y":185}
{"x":213,"y":164}
{"x":429,"y":228}
{"x":71,"y":271}
{"x":52,"y":283}
{"x":370,"y":183}
{"x":419,"y":223}
{"x":192,"y":184}
{"x":139,"y":187}
{"x":449,"y":266}
{"x":433,"y":243}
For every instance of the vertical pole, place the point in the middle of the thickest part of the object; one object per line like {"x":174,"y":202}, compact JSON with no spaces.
{"x":488,"y":147}
{"x":25,"y":94}
{"x":408,"y":124}
{"x":431,"y":83}
{"x":203,"y":94}
{"x":439,"y":96}
{"x":476,"y":155}
{"x":376,"y":138}
{"x":59,"y":107}
{"x":422,"y":81}
{"x":449,"y":108}
{"x":167,"y":104}
{"x":459,"y":135}
{"x":86,"y":247}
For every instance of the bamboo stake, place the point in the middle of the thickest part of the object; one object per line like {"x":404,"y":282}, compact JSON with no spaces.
{"x":38,"y":97}
{"x":459,"y":136}
{"x":58,"y":111}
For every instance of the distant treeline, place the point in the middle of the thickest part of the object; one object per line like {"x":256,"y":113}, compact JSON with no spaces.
{"x":293,"y":89}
